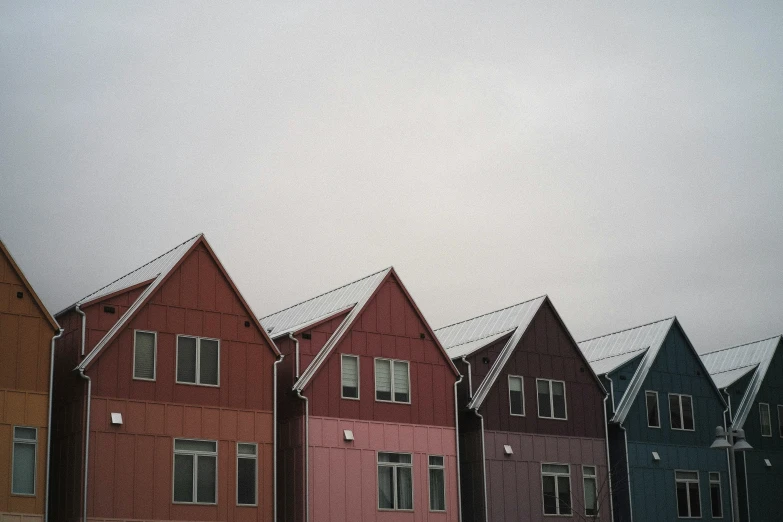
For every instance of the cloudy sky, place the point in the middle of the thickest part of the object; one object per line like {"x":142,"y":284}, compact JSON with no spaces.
{"x":626,"y":159}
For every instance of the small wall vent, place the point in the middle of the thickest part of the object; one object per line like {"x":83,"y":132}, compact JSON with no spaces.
{"x":656,"y":457}
{"x":116,"y":418}
{"x":19,"y":295}
{"x":348,"y":435}
{"x":422,"y":336}
{"x":507,"y":449}
{"x":108,"y":309}
{"x":247,"y":324}
{"x":307,"y":336}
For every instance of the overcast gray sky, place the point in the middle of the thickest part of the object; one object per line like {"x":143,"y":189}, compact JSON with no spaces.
{"x":623,"y":158}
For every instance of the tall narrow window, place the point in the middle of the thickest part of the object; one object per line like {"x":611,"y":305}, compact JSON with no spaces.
{"x":144,"y":348}
{"x":437,"y":483}
{"x":766,"y":420}
{"x":247,"y":473}
{"x":392,"y":381}
{"x":350,"y":376}
{"x":681,"y":412}
{"x":556,"y":484}
{"x":653,"y":415}
{"x":551,"y":399}
{"x":688,"y":500}
{"x":195,"y":471}
{"x":780,"y":420}
{"x":516,"y":395}
{"x":395,"y":481}
{"x":198,"y":360}
{"x":716,"y":496}
{"x":591,"y":490}
{"x":25,"y":450}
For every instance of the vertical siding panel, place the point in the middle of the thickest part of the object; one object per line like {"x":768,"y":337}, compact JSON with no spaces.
{"x":144,"y":471}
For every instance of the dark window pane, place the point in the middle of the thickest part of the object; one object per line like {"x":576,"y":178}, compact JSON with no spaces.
{"x":516,"y":402}
{"x":550,"y":498}
{"x":183,"y":478}
{"x":186,"y":359}
{"x":715,"y":500}
{"x":246,"y":481}
{"x":404,"y":488}
{"x":437,"y":490}
{"x":205,"y":489}
{"x":687,"y":413}
{"x":401,"y":397}
{"x":591,"y":497}
{"x":682,"y":500}
{"x":558,"y":400}
{"x":209,"y":362}
{"x":695,"y":503}
{"x":351,"y":392}
{"x":24,"y":469}
{"x":674,"y":411}
{"x":544,"y":408}
{"x":564,"y":495}
{"x":385,"y":487}
{"x":653,"y":420}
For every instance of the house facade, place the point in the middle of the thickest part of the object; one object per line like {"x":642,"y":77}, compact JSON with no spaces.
{"x":532,"y":430}
{"x":751,"y":378}
{"x":367,"y":423}
{"x":662,"y":412}
{"x":164,"y":398}
{"x":27,"y":332}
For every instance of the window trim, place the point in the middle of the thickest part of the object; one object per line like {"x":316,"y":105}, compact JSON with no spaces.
{"x":174,"y":453}
{"x":154,"y":355}
{"x":255,"y":491}
{"x":720,"y":492}
{"x":697,"y":481}
{"x":429,"y":484}
{"x":682,"y":417}
{"x":391,"y":367}
{"x":358,"y":377}
{"x":594,"y":478}
{"x":657,"y":405}
{"x":557,"y":487}
{"x":34,"y":443}
{"x":552,"y":400}
{"x":198,"y":362}
{"x":769,"y":416}
{"x":522,"y":390}
{"x":395,"y":465}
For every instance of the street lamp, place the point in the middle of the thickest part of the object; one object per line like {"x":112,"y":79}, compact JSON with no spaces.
{"x":732,"y":440}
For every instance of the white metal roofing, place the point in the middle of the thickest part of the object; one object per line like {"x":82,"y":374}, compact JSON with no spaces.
{"x":728,"y":365}
{"x":320,"y":307}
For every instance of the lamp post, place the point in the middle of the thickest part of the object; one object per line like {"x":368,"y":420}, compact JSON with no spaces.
{"x":732,"y":440}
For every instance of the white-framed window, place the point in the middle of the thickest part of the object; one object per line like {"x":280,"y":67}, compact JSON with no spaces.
{"x":395,"y":481}
{"x":392,"y":381}
{"x":551,"y":399}
{"x":716,"y":495}
{"x":590,"y":482}
{"x":780,"y":419}
{"x":556,"y":488}
{"x":349,"y":368}
{"x":653,"y":410}
{"x":766,"y":419}
{"x":688,"y":499}
{"x":24,"y":460}
{"x":516,"y":395}
{"x":145,"y":351}
{"x":198,"y":360}
{"x":681,"y":412}
{"x":247,"y":473}
{"x":195,"y":471}
{"x":437,"y":483}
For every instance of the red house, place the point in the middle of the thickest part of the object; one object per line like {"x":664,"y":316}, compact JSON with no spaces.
{"x":532,"y":425}
{"x":164,"y":398}
{"x":367,"y":423}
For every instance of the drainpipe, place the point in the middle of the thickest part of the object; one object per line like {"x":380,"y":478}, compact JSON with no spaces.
{"x":456,"y":436}
{"x":483,"y":465}
{"x":608,"y":460}
{"x":274,"y":436}
{"x":307,"y":454}
{"x":296,"y":347}
{"x":49,"y":425}
{"x":84,"y":326}
{"x":86,"y":440}
{"x":627,"y":460}
{"x":470,"y":380}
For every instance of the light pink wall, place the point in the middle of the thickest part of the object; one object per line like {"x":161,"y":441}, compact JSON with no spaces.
{"x":343,"y":475}
{"x":514,"y":481}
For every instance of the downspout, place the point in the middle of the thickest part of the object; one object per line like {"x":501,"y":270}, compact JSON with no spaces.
{"x":274,"y":436}
{"x":86,"y":440}
{"x":84,"y":326}
{"x":456,"y":436}
{"x":307,"y":432}
{"x":728,"y":419}
{"x":296,"y":363}
{"x":483,"y":465}
{"x":49,"y":425}
{"x":608,"y":460}
{"x":470,"y":380}
{"x":627,"y":460}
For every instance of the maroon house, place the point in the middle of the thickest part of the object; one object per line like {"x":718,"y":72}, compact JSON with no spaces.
{"x":367,"y":423}
{"x":164,"y":398}
{"x":532,"y":426}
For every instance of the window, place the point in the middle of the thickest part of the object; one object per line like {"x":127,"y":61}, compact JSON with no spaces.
{"x":653,"y":415}
{"x":716,"y":498}
{"x":780,"y":420}
{"x":681,"y":411}
{"x":198,"y":361}
{"x":392,"y":381}
{"x":516,"y":395}
{"x":395,"y":481}
{"x":195,"y":471}
{"x":766,"y":420}
{"x":437,"y":483}
{"x":590,"y":480}
{"x":24,"y":458}
{"x":551,"y":399}
{"x":247,"y":472}
{"x":144,"y":348}
{"x":350,"y":379}
{"x":688,"y":502}
{"x":556,"y":484}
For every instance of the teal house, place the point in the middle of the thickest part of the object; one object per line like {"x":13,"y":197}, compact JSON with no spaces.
{"x":751,"y":378}
{"x":662,"y":413}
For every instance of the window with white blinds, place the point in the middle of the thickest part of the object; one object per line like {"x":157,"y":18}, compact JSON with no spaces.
{"x":350,"y":376}
{"x":144,"y":348}
{"x":198,"y":361}
{"x":392,"y":381}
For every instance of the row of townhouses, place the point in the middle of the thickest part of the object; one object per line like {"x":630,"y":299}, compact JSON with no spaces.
{"x":161,"y":396}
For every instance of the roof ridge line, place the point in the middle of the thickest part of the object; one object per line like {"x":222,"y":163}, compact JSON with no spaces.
{"x":621,"y":354}
{"x":742,"y":345}
{"x":489,"y":313}
{"x":324,"y":293}
{"x":627,"y":329}
{"x":480,"y":338}
{"x":737,"y":368}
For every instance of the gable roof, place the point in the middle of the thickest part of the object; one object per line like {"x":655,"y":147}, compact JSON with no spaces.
{"x":29,"y":287}
{"x":608,"y":352}
{"x":352,"y":298}
{"x":156,"y":272}
{"x":467,"y":337}
{"x":729,"y":365}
